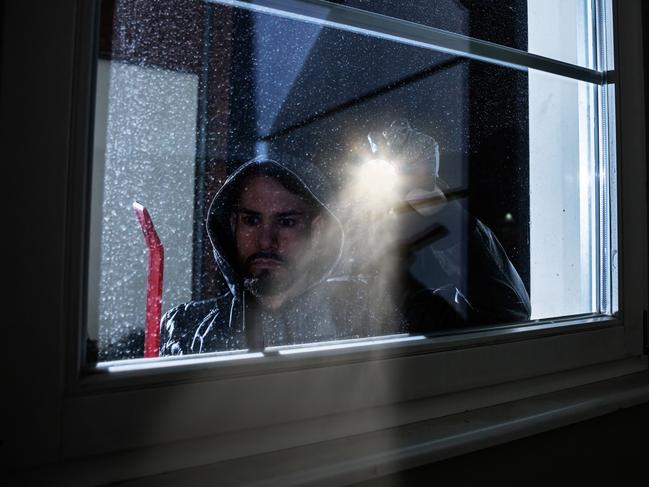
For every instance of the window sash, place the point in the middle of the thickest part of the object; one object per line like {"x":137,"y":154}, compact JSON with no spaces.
{"x":368,"y":23}
{"x":214,"y":366}
{"x":380,"y":26}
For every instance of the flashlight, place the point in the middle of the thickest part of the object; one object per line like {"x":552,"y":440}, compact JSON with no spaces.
{"x":376,"y":183}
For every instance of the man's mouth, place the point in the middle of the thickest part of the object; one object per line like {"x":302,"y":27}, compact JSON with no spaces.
{"x":265,"y":261}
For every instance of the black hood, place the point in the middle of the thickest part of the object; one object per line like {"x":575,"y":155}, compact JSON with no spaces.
{"x":298,"y":172}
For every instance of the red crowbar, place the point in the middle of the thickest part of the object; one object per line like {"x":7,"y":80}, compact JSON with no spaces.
{"x":154,"y":282}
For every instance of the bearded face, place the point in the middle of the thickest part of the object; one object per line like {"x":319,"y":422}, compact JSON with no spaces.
{"x":274,"y":234}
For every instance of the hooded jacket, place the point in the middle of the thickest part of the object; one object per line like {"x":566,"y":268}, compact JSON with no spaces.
{"x":327,"y":309}
{"x":336,"y":304}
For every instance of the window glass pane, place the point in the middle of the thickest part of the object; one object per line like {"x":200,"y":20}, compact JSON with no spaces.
{"x":558,"y":29}
{"x":310,"y":184}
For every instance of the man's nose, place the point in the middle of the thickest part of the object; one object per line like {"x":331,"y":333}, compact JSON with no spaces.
{"x":267,"y":237}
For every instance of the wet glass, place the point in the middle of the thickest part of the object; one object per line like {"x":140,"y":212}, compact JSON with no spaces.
{"x":456,"y":187}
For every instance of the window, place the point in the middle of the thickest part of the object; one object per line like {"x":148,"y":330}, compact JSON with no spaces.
{"x":213,"y":408}
{"x":188,"y":93}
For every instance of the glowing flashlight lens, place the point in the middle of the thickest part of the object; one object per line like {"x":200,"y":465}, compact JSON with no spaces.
{"x":376,"y":182}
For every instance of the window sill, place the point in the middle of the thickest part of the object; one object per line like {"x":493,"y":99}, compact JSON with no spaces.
{"x":315,"y":453}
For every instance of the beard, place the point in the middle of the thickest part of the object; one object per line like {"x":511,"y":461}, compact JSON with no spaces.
{"x":267,"y":282}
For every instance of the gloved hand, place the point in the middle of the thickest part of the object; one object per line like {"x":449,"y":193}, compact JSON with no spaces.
{"x":415,"y":155}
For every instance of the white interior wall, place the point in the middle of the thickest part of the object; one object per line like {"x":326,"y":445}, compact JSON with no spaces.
{"x":145,"y":140}
{"x":562,"y":165}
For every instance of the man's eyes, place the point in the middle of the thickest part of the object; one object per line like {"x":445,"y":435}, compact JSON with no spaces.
{"x":250,"y":220}
{"x":284,"y":222}
{"x":287,"y":222}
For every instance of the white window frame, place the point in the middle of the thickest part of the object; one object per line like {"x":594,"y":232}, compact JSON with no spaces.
{"x":207,"y":412}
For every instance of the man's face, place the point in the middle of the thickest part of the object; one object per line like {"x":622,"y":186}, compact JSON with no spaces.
{"x":274,"y":233}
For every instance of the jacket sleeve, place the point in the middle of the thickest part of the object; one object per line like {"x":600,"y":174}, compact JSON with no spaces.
{"x":180,"y":327}
{"x":201,"y":327}
{"x":494,"y":289}
{"x":473,"y":281}
{"x":170,"y":334}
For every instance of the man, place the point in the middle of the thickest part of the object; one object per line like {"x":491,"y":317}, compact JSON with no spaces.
{"x":291,"y":279}
{"x":449,"y":269}
{"x":277,"y":242}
